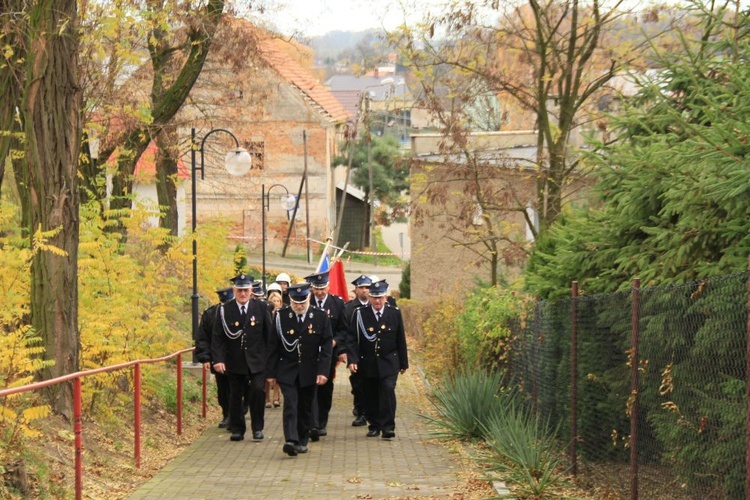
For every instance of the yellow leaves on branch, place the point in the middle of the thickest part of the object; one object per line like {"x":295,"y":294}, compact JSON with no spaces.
{"x":40,"y":242}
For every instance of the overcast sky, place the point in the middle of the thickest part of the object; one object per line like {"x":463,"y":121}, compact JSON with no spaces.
{"x":316,"y":17}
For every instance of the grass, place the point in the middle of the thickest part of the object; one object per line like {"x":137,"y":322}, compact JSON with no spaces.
{"x":524,"y":450}
{"x":465,"y":402}
{"x":383,"y":260}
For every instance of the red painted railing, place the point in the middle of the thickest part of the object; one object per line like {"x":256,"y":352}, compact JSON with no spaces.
{"x":77,"y":421}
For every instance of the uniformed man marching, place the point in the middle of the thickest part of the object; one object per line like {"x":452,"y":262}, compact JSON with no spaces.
{"x":333,"y":306}
{"x":361,"y":285}
{"x":240,"y":349}
{"x":203,"y":352}
{"x":376,"y":350}
{"x":301,"y":360}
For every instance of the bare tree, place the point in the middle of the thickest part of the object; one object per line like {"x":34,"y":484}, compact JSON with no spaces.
{"x":548,"y":60}
{"x":547,"y":64}
{"x":177,"y":60}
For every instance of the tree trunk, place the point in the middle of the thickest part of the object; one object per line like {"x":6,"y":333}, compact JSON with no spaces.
{"x":50,"y":106}
{"x":10,"y":80}
{"x":166,"y":181}
{"x":165,"y":100}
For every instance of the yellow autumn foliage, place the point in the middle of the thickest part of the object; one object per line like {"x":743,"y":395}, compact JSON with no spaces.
{"x":134,"y":303}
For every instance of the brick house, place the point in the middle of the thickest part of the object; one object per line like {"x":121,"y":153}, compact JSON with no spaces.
{"x":288,"y":121}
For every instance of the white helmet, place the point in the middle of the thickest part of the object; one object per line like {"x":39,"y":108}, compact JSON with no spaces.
{"x":283,"y":277}
{"x":273,"y":286}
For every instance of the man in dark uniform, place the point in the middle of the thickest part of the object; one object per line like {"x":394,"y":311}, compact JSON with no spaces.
{"x":300,"y":362}
{"x":361,"y":285}
{"x":333,"y":306}
{"x":376,"y":349}
{"x":240,"y":348}
{"x":203,"y":352}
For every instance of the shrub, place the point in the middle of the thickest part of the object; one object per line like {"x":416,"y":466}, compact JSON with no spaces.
{"x":404,"y":287}
{"x":524,"y":450}
{"x":486,"y":324}
{"x":465,"y":401}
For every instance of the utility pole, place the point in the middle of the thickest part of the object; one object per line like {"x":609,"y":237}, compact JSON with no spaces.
{"x":373,"y":246}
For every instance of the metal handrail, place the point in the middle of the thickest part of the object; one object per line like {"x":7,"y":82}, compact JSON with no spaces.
{"x":77,"y":421}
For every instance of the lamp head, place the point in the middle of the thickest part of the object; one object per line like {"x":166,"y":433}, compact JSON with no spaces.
{"x":238,"y":161}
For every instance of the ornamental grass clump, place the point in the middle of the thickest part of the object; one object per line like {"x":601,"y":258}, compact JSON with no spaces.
{"x":465,"y":401}
{"x":523,"y":449}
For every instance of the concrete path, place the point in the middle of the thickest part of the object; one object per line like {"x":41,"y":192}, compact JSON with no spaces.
{"x":396,"y":238}
{"x":344,"y":464}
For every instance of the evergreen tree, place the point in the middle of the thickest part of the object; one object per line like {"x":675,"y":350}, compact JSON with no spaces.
{"x":673,"y":191}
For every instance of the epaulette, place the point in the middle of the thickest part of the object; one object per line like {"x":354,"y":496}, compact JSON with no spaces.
{"x":388,"y":304}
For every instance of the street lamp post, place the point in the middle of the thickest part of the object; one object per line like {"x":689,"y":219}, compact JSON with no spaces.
{"x":266,"y":205}
{"x":238,"y":161}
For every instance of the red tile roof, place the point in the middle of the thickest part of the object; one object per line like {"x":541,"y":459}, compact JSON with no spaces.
{"x":274,"y":53}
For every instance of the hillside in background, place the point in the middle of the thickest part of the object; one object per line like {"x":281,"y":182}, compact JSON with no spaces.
{"x":332,"y":44}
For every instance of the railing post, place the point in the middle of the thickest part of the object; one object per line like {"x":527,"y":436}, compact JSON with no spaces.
{"x":634,"y":388}
{"x":137,"y":410}
{"x":179,"y":394}
{"x":574,"y":380}
{"x":78,"y":433}
{"x":203,"y":394}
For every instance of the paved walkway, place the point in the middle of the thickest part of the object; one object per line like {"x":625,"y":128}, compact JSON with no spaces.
{"x":344,"y":464}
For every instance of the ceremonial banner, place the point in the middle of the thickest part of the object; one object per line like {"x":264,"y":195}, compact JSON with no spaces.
{"x":338,"y":281}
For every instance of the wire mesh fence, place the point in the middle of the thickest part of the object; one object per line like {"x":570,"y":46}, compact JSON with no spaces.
{"x":648,"y":388}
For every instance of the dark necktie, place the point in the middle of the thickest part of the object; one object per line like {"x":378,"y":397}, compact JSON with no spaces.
{"x":299,"y":318}
{"x":242,"y":310}
{"x":377,"y":316}
{"x":320,"y":304}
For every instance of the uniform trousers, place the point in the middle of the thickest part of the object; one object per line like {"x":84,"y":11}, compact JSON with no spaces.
{"x":324,"y":399}
{"x":380,"y":402}
{"x":297,"y":413}
{"x":238,"y":385}
{"x":222,"y":389}
{"x":355,"y":379}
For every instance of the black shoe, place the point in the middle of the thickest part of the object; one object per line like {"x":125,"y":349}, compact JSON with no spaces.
{"x":314,"y":434}
{"x":322,"y":432}
{"x":359,"y":422}
{"x":236,"y":436}
{"x":373,"y":433}
{"x":224,"y":423}
{"x":300,"y":448}
{"x":290,"y":449}
{"x":355,"y":412}
{"x":389,"y":434}
{"x":257,"y":435}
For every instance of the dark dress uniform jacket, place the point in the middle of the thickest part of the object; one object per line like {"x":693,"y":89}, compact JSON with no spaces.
{"x":310,"y":357}
{"x":205,"y":333}
{"x":380,"y":350}
{"x":349,"y":309}
{"x":248,"y":353}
